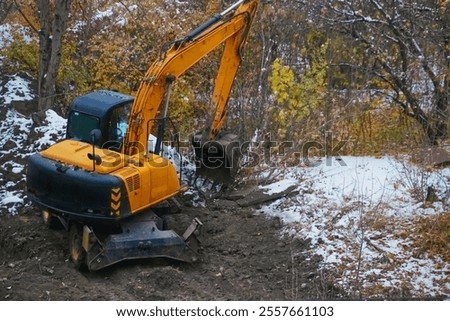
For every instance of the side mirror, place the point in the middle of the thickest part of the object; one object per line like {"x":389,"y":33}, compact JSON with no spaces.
{"x":96,"y":136}
{"x":94,"y":157}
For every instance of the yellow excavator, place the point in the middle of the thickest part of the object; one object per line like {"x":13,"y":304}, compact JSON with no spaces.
{"x":106,"y":185}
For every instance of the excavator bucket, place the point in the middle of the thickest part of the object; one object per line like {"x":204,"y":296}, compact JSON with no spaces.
{"x":143,"y":237}
{"x":218,"y":158}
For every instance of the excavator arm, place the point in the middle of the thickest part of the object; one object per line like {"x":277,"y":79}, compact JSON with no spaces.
{"x":229,"y":28}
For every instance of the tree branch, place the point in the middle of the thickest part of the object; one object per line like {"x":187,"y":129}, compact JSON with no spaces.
{"x":25,"y":17}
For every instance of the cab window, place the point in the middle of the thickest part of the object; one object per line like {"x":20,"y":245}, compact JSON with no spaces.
{"x":119,"y":123}
{"x":80,"y":126}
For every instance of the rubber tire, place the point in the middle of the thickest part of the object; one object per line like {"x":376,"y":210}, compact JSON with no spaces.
{"x":76,"y":250}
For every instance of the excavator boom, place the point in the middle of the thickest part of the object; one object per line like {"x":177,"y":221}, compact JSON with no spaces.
{"x":230,"y":28}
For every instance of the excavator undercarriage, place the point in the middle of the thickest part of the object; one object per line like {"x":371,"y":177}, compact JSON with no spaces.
{"x":140,"y":237}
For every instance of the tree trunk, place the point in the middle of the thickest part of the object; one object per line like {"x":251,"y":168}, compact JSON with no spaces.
{"x":53,"y":17}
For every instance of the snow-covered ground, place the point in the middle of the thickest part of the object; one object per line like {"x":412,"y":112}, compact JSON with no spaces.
{"x":15,"y":147}
{"x":18,"y":140}
{"x":360,"y":218}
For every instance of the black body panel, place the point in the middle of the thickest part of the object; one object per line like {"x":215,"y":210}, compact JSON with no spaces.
{"x":73,"y":193}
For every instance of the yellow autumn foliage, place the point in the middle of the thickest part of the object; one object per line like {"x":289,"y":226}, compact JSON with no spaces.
{"x":296,"y":97}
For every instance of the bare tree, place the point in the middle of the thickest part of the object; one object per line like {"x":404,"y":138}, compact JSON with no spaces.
{"x":53,"y":16}
{"x":407,"y":45}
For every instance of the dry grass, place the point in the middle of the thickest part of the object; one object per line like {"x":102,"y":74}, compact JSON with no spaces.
{"x":432,"y":236}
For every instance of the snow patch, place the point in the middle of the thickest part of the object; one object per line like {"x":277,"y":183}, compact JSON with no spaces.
{"x":16,"y":146}
{"x":5,"y":35}
{"x":8,"y":30}
{"x":52,"y":132}
{"x":9,"y":198}
{"x":16,"y":88}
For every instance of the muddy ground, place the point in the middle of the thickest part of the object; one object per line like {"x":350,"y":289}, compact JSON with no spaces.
{"x":243,"y":258}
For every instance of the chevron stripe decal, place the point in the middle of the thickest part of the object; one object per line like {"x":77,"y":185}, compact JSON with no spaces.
{"x":116,"y":196}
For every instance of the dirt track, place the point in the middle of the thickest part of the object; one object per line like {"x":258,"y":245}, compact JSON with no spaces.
{"x":243,"y":259}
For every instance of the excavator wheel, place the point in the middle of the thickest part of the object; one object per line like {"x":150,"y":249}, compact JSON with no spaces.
{"x":50,"y":220}
{"x":77,"y":252}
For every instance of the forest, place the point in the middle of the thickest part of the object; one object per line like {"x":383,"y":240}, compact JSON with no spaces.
{"x":375,"y":74}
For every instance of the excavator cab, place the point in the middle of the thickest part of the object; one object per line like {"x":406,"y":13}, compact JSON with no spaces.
{"x":105,"y":110}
